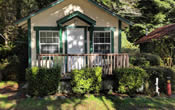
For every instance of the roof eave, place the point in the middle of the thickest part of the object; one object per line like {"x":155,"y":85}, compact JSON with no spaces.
{"x":112,"y":13}
{"x":59,"y":1}
{"x":39,"y":11}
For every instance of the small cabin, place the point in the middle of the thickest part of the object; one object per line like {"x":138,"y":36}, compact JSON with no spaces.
{"x":75,"y":34}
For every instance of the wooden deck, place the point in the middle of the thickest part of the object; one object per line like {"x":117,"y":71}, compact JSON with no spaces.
{"x":69,"y":62}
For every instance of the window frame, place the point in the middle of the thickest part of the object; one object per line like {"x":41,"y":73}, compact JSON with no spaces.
{"x":58,"y":44}
{"x":102,"y":43}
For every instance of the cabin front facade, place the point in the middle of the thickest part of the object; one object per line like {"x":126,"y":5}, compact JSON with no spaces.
{"x":75,"y":34}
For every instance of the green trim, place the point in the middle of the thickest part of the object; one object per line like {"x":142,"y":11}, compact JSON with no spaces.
{"x":65,"y":33}
{"x":111,"y":29}
{"x":29,"y":43}
{"x":119,"y":36}
{"x":40,"y":28}
{"x":36,"y":28}
{"x":85,"y":40}
{"x":37,"y":43}
{"x":104,"y":28}
{"x":39,"y":11}
{"x":91,"y":30}
{"x":75,"y":26}
{"x":112,"y":13}
{"x":76,"y":14}
{"x":112,"y":43}
{"x":61,"y":42}
{"x":65,"y":40}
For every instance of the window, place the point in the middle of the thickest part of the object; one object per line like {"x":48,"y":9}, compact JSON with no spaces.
{"x":102,"y":42}
{"x":49,"y":42}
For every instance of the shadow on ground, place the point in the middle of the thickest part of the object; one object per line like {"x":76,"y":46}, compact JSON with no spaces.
{"x":14,"y":99}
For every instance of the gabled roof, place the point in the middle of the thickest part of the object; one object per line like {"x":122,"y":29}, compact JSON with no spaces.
{"x":59,"y":1}
{"x":157,"y":33}
{"x":76,"y":14}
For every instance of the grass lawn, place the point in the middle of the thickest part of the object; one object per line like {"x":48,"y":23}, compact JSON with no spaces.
{"x":10,"y":101}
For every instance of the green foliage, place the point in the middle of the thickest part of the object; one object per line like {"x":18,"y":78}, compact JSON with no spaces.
{"x":162,"y":73}
{"x":154,"y":60}
{"x":13,"y":59}
{"x":128,"y":47}
{"x":10,"y":68}
{"x":154,"y":14}
{"x":86,"y":80}
{"x":159,"y":47}
{"x":5,"y":52}
{"x":136,"y":31}
{"x":146,"y":59}
{"x":42,"y":81}
{"x":139,"y":61}
{"x":160,"y":18}
{"x":129,"y":79}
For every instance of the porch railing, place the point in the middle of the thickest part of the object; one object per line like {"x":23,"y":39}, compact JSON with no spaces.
{"x":69,"y":62}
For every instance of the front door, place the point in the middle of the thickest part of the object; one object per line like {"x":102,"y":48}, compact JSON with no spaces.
{"x":75,"y":45}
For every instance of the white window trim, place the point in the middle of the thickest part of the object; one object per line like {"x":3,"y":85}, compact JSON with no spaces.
{"x":102,"y":43}
{"x":49,"y":37}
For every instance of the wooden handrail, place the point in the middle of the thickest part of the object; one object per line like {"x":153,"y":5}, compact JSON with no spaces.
{"x":83,"y":54}
{"x":108,"y":62}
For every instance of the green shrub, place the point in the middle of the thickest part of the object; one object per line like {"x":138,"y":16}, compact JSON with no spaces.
{"x":10,"y":68}
{"x":86,"y":80}
{"x":162,"y":73}
{"x":42,"y":81}
{"x":154,"y":60}
{"x":139,"y":61}
{"x":129,"y":80}
{"x":5,"y":51}
{"x":145,"y":59}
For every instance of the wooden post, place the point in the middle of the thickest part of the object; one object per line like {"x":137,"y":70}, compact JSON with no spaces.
{"x":39,"y":61}
{"x":111,"y":64}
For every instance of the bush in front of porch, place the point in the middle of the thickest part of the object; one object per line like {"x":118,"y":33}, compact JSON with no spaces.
{"x":87,"y":80}
{"x":42,"y":81}
{"x":129,"y":80}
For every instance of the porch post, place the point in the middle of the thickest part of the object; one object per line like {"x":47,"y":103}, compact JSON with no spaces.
{"x":29,"y":43}
{"x":60,"y":36}
{"x":119,"y":36}
{"x":91,"y":38}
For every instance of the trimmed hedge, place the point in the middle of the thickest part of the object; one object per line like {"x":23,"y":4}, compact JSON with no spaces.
{"x":86,"y":80}
{"x":128,"y":80}
{"x":42,"y":81}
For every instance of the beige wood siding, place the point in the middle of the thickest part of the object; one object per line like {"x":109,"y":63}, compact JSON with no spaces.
{"x":50,"y":16}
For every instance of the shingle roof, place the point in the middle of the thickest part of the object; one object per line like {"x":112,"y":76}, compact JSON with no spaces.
{"x":157,"y":33}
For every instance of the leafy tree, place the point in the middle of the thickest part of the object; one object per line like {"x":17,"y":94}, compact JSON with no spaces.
{"x":154,"y":14}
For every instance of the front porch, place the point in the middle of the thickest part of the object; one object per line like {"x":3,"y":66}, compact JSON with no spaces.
{"x":69,"y":62}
